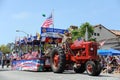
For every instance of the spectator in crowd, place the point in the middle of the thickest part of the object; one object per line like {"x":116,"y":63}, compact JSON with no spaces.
{"x":47,"y":51}
{"x":108,"y":68}
{"x":29,"y":55}
{"x":114,"y":62}
{"x":35,"y":54}
{"x":8,"y":59}
{"x":0,"y":57}
{"x":39,"y":54}
{"x":3,"y":60}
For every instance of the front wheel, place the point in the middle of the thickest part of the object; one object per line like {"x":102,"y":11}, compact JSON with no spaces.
{"x":91,"y":68}
{"x":98,"y":68}
{"x":57,"y":60}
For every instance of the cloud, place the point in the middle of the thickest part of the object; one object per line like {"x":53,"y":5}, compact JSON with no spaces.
{"x":21,"y":15}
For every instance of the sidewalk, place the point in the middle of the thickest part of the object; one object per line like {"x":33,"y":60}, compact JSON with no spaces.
{"x":113,"y":74}
{"x":5,"y":68}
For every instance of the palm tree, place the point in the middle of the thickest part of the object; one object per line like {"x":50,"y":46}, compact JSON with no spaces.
{"x":75,"y":34}
{"x":90,"y":30}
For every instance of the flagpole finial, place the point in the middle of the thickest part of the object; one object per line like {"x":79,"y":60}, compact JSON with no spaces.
{"x":43,"y":15}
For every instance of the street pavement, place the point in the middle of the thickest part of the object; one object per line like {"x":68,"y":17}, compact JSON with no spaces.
{"x":7,"y":74}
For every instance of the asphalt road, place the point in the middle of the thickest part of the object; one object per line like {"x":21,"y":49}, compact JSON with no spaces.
{"x":7,"y":74}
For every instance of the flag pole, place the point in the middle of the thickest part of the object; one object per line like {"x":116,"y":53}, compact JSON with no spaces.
{"x":86,"y":34}
{"x":53,"y":19}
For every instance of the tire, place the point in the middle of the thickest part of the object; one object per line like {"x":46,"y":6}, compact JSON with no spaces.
{"x":80,"y":69}
{"x":57,"y":60}
{"x":98,"y":68}
{"x":91,"y":68}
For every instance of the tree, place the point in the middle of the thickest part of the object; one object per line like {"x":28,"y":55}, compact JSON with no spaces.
{"x":75,"y":34}
{"x":80,"y":32}
{"x":4,"y":49}
{"x":11,"y":46}
{"x":89,"y":28}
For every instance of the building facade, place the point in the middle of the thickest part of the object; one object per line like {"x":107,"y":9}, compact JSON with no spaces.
{"x":111,"y":38}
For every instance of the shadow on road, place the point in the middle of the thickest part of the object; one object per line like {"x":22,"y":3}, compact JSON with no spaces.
{"x":5,"y":70}
{"x":72,"y":72}
{"x":103,"y":75}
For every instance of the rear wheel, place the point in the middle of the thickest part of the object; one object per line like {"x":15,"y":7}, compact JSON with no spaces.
{"x":57,"y":60}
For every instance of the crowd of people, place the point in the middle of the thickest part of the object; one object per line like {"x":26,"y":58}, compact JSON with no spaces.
{"x":6,"y":59}
{"x":110,"y":64}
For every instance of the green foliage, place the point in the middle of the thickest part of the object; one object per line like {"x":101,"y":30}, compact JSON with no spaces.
{"x":11,"y":46}
{"x":83,"y":30}
{"x":75,"y":34}
{"x":92,"y":39}
{"x":80,"y":32}
{"x":4,"y":49}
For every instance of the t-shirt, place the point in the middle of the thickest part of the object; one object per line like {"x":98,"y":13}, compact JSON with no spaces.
{"x":3,"y":57}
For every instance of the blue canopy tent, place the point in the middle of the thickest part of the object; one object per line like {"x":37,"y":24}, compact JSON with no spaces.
{"x":114,"y":52}
{"x":110,"y":52}
{"x":103,"y":52}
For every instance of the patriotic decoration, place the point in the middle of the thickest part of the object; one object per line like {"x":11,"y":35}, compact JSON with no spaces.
{"x":25,"y":40}
{"x":77,"y":43}
{"x":102,"y":43}
{"x":17,"y":41}
{"x":38,"y":36}
{"x":32,"y":65}
{"x":48,"y":22}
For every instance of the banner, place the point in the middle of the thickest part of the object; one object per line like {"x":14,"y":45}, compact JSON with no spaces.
{"x":32,"y":65}
{"x":43,"y":30}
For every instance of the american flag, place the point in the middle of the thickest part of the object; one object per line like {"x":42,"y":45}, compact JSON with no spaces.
{"x":48,"y":22}
{"x":102,"y":43}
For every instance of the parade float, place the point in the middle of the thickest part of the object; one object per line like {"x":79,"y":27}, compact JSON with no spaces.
{"x":37,"y":60}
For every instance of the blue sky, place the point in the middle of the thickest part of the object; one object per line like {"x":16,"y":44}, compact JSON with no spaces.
{"x":26,"y":15}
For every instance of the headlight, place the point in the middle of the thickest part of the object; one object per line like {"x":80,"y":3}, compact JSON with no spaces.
{"x":91,"y":49}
